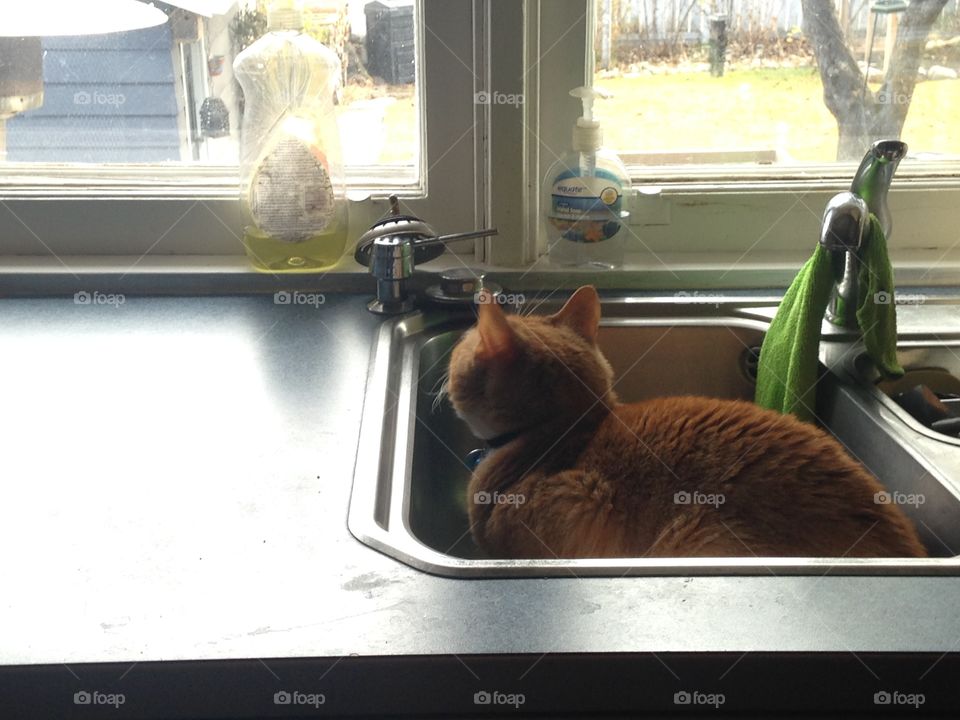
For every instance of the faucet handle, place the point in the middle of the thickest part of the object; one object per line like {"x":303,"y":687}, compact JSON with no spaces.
{"x":393,"y":247}
{"x":844,"y":223}
{"x":397,"y":227}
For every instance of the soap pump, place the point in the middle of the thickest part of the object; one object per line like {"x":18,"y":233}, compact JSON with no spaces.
{"x":583,"y":196}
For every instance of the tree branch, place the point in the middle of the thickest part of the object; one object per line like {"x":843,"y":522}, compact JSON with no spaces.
{"x":898,"y":85}
{"x":863,"y":117}
{"x":841,"y":78}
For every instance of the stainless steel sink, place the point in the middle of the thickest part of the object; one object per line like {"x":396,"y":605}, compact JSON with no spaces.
{"x":409,"y":493}
{"x":934,"y":362}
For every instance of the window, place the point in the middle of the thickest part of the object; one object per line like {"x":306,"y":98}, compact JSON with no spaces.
{"x":731,"y":171}
{"x":167,"y":94}
{"x":740,"y":118}
{"x":777,"y":82}
{"x":166,"y":181}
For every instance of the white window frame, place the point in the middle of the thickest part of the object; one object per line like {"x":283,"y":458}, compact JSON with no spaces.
{"x":753,"y":226}
{"x":194,"y":210}
{"x":484,"y":163}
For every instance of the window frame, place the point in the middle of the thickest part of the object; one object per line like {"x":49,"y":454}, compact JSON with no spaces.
{"x":762,"y":220}
{"x":726,"y":225}
{"x":194,"y":209}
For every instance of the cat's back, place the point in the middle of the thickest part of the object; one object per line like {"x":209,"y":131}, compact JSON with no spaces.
{"x":727,"y":469}
{"x":699,"y":432}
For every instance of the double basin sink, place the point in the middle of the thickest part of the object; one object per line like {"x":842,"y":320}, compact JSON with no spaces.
{"x":409,"y":496}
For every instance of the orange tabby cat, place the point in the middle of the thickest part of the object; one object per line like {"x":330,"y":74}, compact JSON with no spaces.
{"x":579,"y":474}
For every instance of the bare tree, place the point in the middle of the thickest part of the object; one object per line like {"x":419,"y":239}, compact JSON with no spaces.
{"x":863,"y":117}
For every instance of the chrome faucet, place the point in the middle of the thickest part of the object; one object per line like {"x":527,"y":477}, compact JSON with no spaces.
{"x":846,"y":222}
{"x":392,"y":248}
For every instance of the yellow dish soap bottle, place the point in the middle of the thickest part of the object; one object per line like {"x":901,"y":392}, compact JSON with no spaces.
{"x":292,"y":186}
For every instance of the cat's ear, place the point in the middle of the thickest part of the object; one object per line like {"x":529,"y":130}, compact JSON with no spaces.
{"x":497,"y":340}
{"x":582,"y":313}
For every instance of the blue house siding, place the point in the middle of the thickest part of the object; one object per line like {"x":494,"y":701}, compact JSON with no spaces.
{"x":107,"y":98}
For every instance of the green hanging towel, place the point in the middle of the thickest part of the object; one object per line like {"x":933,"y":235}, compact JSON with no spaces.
{"x":877,"y":309}
{"x":787,"y":372}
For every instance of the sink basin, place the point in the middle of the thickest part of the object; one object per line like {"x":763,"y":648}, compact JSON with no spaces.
{"x":409,"y":499}
{"x":925,"y":361}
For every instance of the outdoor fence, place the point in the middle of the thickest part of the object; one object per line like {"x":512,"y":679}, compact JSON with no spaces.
{"x":626,"y":24}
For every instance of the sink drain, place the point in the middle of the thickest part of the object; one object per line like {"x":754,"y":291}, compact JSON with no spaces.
{"x":749,"y":360}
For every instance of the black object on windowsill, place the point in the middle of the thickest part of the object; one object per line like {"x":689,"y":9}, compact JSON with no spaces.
{"x":214,"y":118}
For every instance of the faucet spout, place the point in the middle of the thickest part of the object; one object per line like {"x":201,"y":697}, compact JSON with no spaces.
{"x":846,"y":222}
{"x":873,"y":178}
{"x":842,"y":232}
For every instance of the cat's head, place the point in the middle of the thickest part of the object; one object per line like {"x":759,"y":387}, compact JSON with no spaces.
{"x":508,"y":372}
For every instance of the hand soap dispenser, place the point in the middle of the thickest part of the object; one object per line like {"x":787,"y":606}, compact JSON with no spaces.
{"x":291,"y":171}
{"x":583,"y":197}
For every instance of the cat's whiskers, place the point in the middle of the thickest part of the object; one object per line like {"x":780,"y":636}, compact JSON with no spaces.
{"x":533,"y":307}
{"x":525,"y":309}
{"x":529,"y":308}
{"x":439,"y":391}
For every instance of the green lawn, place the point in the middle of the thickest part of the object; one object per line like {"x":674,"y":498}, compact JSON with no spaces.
{"x":768,"y":109}
{"x":778,"y":109}
{"x":397,"y":132}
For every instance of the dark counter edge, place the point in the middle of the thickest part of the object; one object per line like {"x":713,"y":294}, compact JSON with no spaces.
{"x":629,"y":685}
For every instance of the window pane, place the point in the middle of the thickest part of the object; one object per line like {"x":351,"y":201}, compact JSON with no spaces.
{"x":167,"y":94}
{"x":777,"y":81}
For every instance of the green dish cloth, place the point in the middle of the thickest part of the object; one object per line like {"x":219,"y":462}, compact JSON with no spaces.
{"x":787,"y":371}
{"x":877,"y":308}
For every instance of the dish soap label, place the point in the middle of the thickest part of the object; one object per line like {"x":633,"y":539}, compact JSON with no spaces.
{"x":586,"y":209}
{"x":291,"y":195}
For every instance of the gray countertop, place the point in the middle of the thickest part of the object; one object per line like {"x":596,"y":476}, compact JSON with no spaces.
{"x":176,"y":475}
